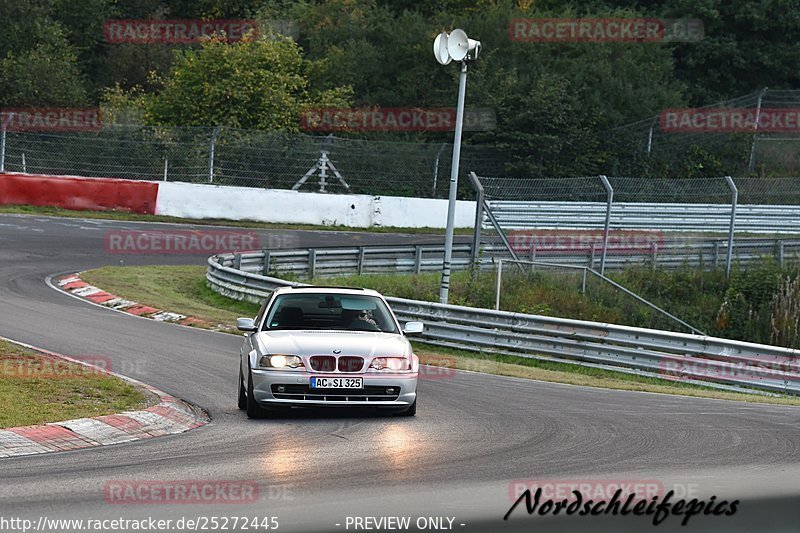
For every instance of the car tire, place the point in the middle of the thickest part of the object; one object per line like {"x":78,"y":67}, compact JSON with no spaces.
{"x":253,"y":409}
{"x":242,"y":391}
{"x":411,"y":410}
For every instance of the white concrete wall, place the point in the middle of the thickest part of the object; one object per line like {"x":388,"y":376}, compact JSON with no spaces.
{"x":189,"y":200}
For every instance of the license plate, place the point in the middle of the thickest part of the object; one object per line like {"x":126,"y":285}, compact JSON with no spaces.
{"x":337,"y":383}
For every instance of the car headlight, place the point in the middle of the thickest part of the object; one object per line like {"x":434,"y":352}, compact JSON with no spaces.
{"x":390,"y":363}
{"x":281,"y":361}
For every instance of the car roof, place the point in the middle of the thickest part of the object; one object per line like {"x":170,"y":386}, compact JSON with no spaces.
{"x":321,"y":289}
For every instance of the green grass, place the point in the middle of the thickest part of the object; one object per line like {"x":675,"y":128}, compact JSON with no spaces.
{"x":182,"y":289}
{"x":122,"y":215}
{"x":37,"y":388}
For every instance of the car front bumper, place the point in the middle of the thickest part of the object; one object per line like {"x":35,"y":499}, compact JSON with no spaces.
{"x":275,"y":387}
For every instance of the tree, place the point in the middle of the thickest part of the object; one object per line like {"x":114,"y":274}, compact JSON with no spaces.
{"x":45,"y":75}
{"x":38,"y":65}
{"x":255,"y":83}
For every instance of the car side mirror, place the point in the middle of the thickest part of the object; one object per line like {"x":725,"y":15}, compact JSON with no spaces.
{"x":246,"y":324}
{"x":413,"y":328}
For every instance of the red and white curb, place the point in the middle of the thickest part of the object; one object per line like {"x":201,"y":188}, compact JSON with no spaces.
{"x":74,"y":285}
{"x":171,"y":416}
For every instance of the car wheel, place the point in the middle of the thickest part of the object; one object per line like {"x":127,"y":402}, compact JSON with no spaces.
{"x":253,"y":409}
{"x":411,"y":410}
{"x":242,"y":391}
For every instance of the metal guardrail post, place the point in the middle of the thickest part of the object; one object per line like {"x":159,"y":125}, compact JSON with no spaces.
{"x":417,"y":259}
{"x":609,"y":201}
{"x":734,"y":202}
{"x":265,"y":265}
{"x":312,"y":263}
{"x":237,"y":261}
{"x":361,"y":252}
{"x":780,"y":253}
{"x":211,"y":154}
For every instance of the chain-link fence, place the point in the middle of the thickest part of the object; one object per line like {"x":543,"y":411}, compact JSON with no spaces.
{"x":755,"y":134}
{"x":227,"y":156}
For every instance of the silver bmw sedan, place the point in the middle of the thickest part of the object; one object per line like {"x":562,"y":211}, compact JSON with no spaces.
{"x":327,"y":346}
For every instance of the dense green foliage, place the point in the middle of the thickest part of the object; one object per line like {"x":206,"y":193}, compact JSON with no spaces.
{"x":555,"y":102}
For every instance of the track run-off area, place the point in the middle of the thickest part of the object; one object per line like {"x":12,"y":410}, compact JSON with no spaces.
{"x":458,"y":464}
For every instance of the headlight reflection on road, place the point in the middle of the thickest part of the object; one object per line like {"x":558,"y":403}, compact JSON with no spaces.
{"x":282,"y":461}
{"x":400,"y":444}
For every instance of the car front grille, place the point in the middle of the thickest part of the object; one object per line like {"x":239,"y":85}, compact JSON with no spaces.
{"x":370,"y":393}
{"x":323,"y":363}
{"x":329,"y":363}
{"x":349,"y":363}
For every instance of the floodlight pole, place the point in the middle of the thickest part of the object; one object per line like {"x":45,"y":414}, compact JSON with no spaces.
{"x":444,"y":290}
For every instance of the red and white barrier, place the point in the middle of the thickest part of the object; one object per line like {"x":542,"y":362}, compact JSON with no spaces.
{"x":82,"y":194}
{"x":199,"y":201}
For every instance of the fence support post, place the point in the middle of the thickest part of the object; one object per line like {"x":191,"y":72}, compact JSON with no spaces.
{"x":166,"y":168}
{"x":583,"y":282}
{"x":436,"y":169}
{"x":752,"y":162}
{"x":4,"y":126}
{"x":211,"y":154}
{"x":780,"y":253}
{"x":609,"y":201}
{"x":650,"y":138}
{"x":654,"y":250}
{"x":497,"y":285}
{"x":476,"y":230}
{"x":734,"y":201}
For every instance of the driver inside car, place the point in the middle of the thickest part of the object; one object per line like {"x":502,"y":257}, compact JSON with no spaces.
{"x":358,"y":319}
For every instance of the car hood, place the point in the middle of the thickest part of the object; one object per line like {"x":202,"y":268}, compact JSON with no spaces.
{"x":314,"y":342}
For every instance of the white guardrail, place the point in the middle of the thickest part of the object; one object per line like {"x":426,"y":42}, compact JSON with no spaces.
{"x":698,"y":218}
{"x":708,"y":361}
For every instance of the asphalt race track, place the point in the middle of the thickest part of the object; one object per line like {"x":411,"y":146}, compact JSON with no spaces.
{"x":473,"y":435}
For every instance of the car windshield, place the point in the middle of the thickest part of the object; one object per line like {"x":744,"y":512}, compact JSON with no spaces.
{"x":328,"y":311}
